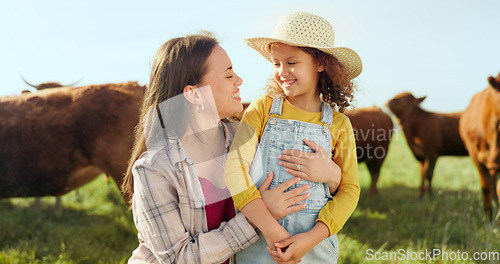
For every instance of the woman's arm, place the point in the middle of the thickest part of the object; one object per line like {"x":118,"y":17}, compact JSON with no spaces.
{"x":281,"y":202}
{"x":160,"y":213}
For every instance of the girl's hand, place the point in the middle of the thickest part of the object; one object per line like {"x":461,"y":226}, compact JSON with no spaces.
{"x":281,"y":203}
{"x":292,"y":250}
{"x":315,"y":167}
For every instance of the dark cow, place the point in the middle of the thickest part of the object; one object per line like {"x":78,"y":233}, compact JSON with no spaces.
{"x":428,"y":134}
{"x":480,"y":131}
{"x":373,"y":130}
{"x":55,"y":140}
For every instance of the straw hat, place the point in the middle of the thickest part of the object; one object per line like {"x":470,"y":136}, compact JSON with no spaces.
{"x":308,"y":30}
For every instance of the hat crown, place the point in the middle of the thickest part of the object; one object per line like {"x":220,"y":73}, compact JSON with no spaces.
{"x":305,"y":29}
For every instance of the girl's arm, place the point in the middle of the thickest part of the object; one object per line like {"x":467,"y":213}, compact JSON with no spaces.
{"x":257,"y":213}
{"x":337,"y":211}
{"x":158,"y":210}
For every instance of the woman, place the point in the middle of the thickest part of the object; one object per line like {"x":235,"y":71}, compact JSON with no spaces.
{"x":182,"y":210}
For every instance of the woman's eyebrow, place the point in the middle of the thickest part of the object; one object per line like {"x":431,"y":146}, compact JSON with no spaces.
{"x":228,"y":68}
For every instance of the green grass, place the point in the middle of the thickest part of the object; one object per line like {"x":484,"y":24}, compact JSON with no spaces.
{"x":96,"y":227}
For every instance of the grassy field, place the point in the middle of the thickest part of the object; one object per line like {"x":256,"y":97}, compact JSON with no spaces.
{"x":96,"y":227}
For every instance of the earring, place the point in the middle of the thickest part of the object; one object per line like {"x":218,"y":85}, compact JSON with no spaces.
{"x":198,"y":108}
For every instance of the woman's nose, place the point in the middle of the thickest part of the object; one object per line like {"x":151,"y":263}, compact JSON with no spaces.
{"x":239,"y":81}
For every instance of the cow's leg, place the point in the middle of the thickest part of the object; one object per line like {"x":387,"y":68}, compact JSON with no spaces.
{"x":430,"y":172}
{"x":496,"y":195}
{"x":374,"y":168}
{"x":423,"y":172}
{"x":498,"y":200}
{"x":38,"y":202}
{"x":486,"y":185}
{"x":58,"y":205}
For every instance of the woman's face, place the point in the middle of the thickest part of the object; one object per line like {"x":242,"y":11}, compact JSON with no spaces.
{"x":295,"y":71}
{"x":224,"y":83}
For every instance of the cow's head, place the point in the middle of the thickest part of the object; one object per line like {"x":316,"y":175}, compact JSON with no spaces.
{"x":46,"y":85}
{"x":402,"y":103}
{"x":495,"y":82}
{"x":495,"y":95}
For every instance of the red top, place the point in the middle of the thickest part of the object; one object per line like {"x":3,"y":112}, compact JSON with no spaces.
{"x":219,"y":205}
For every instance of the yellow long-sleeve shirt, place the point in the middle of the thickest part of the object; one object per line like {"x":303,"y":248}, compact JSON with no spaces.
{"x":336,"y":212}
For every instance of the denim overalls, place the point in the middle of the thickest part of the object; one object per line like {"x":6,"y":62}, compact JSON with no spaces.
{"x":280,"y":134}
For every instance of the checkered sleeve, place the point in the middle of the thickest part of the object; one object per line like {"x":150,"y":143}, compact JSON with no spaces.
{"x":164,"y":218}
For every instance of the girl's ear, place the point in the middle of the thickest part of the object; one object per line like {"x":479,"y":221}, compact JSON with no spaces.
{"x":192,"y":94}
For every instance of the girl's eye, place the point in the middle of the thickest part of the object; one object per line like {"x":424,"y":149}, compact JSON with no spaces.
{"x":276,"y":65}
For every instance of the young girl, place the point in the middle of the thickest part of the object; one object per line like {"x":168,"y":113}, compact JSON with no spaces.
{"x":310,"y":78}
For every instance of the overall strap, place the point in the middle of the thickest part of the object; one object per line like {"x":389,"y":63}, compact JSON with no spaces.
{"x":326,"y":115}
{"x":277,"y":106}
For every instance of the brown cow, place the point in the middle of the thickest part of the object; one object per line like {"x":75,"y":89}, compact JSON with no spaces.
{"x":428,"y":134}
{"x":43,"y":86}
{"x":480,"y":131}
{"x":56,"y":140}
{"x":373,"y":130}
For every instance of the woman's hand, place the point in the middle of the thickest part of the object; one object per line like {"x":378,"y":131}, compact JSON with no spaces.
{"x":293,"y":249}
{"x":315,"y":167}
{"x":281,"y":203}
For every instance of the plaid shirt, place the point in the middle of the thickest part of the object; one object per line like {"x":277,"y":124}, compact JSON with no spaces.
{"x":169,"y":212}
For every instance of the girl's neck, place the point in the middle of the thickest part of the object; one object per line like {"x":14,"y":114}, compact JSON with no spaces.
{"x":306,"y":103}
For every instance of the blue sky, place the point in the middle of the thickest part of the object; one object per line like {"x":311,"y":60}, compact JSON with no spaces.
{"x":444,"y":50}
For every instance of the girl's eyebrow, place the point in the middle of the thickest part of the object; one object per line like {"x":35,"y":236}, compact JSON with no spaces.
{"x":291,"y":57}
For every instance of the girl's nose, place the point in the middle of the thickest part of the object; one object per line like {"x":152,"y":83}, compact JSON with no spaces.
{"x":283,"y":71}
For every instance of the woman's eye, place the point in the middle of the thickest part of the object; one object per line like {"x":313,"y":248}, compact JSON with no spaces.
{"x":229,"y":77}
{"x":291,"y":63}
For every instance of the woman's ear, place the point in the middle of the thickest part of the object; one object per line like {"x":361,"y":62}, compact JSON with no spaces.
{"x":320,"y":67}
{"x":192,"y":94}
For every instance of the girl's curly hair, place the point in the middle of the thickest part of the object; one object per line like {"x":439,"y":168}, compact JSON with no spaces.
{"x":334,"y":84}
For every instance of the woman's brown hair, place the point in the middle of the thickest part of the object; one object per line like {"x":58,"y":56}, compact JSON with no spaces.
{"x":334,"y":83}
{"x":177,"y":63}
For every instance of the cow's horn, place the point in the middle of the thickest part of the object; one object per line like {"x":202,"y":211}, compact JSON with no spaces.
{"x":72,"y":84}
{"x":34,"y":86}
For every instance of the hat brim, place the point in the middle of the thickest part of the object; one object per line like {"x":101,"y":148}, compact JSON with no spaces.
{"x":346,"y":56}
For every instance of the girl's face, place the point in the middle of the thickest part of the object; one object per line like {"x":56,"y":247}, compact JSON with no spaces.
{"x":224,"y":83}
{"x":295,"y":71}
